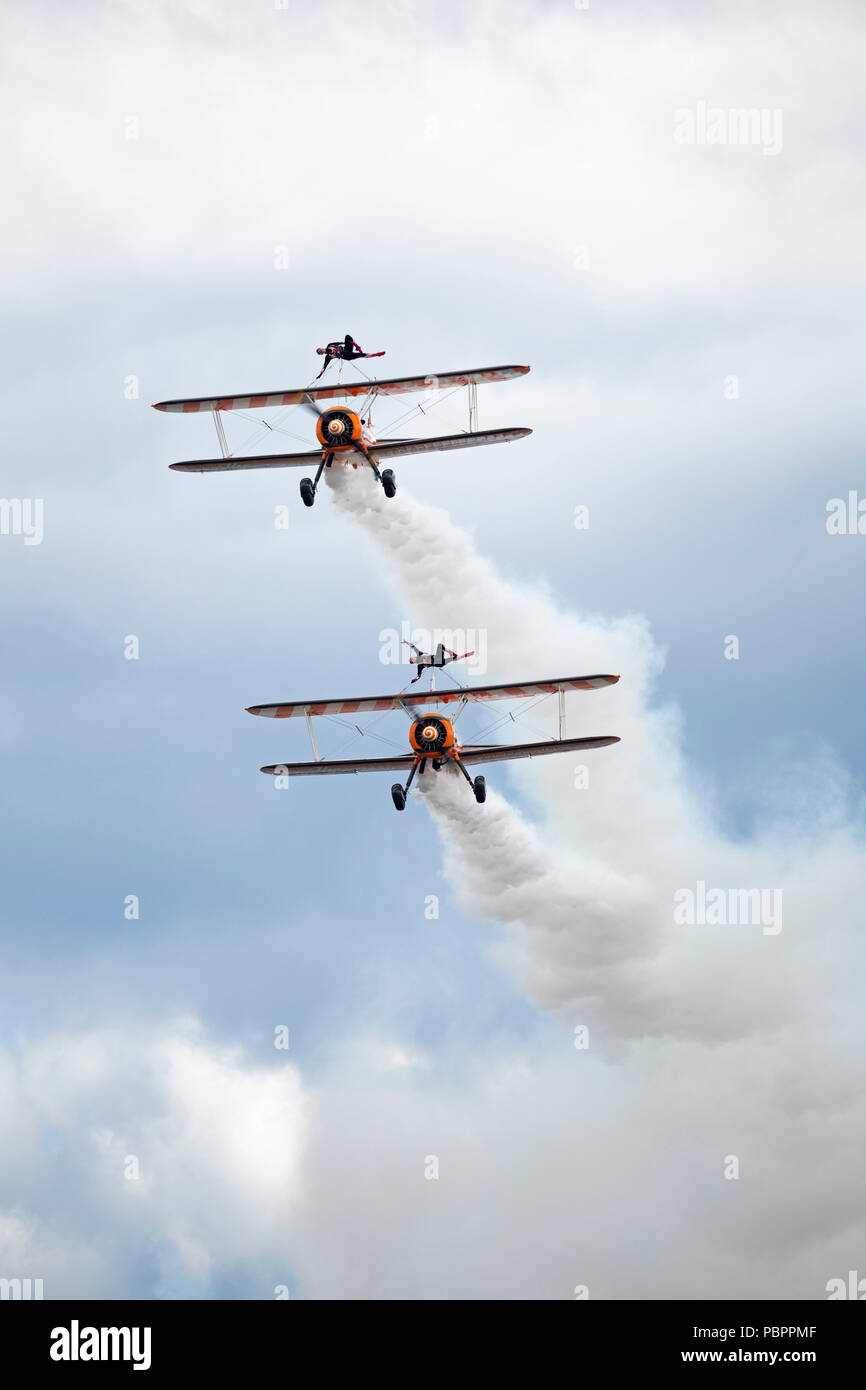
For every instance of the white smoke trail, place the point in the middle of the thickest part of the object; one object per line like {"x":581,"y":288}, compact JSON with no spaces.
{"x":751,"y":1043}
{"x":589,"y":908}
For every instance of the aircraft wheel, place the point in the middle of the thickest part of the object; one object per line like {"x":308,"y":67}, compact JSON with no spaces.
{"x":389,"y":482}
{"x":398,"y":796}
{"x":308,"y":492}
{"x":479,"y":786}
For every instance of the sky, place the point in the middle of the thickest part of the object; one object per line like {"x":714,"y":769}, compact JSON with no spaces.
{"x":513,"y":1070}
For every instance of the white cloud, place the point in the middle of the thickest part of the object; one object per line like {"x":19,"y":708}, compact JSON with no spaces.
{"x":216,"y":1141}
{"x":511,"y":131}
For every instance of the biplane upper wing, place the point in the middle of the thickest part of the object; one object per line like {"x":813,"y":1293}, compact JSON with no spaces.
{"x":390,"y":386}
{"x":489,"y":753}
{"x":371,"y":704}
{"x":385,"y":448}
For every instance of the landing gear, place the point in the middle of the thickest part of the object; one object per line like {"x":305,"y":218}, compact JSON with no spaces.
{"x":479,"y":786}
{"x":308,"y":487}
{"x":386,"y":478}
{"x":398,"y":793}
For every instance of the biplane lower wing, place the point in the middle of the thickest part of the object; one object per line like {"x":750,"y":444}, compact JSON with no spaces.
{"x":389,"y":386}
{"x":397,"y":448}
{"x":489,"y":753}
{"x":227,"y":465}
{"x":508,"y":752}
{"x":326,"y":767}
{"x":384,"y":449}
{"x":372,"y":704}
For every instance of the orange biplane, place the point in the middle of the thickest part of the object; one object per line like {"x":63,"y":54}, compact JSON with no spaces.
{"x":432,"y":739}
{"x":345,"y":435}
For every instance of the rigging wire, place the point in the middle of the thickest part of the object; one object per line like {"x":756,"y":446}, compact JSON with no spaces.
{"x":416,"y":409}
{"x":505,"y":718}
{"x":365,"y":408}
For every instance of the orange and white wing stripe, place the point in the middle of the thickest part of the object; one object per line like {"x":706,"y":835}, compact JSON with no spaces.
{"x":390,"y":386}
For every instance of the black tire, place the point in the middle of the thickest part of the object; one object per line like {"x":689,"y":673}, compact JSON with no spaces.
{"x":308,"y":492}
{"x":389,"y":482}
{"x":479,"y":786}
{"x":398,"y":796}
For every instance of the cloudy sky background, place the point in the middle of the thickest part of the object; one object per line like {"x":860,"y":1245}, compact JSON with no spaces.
{"x":439,"y":179}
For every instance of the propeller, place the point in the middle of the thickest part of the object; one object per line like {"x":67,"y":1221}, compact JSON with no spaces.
{"x":431,"y":734}
{"x":310,"y":404}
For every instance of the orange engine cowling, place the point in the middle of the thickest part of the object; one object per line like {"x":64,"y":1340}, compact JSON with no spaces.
{"x":335,"y":429}
{"x":432,"y":734}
